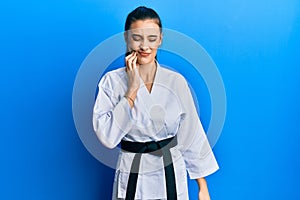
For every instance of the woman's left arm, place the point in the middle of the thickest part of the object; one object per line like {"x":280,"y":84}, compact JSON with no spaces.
{"x":203,"y":189}
{"x":197,"y":153}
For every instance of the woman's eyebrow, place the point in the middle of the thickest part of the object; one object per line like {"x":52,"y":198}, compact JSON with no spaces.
{"x":136,"y":35}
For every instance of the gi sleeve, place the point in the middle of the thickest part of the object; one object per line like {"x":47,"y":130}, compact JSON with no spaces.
{"x":111,"y":115}
{"x":195,"y":148}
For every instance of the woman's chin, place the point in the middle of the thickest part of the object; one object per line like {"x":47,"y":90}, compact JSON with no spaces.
{"x":145,"y":61}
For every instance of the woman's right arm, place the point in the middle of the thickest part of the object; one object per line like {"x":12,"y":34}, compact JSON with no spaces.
{"x":111,"y":115}
{"x":132,"y":70}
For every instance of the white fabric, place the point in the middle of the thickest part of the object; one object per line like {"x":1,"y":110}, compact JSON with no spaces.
{"x":166,"y":111}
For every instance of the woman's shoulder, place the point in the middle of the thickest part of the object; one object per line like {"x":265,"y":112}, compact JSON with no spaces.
{"x":172,"y":74}
{"x":118,"y":72}
{"x":113,"y":76}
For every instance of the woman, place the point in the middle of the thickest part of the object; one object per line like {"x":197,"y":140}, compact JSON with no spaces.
{"x":150,"y":110}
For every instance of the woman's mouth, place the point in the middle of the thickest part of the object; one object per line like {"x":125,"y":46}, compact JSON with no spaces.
{"x":144,"y":54}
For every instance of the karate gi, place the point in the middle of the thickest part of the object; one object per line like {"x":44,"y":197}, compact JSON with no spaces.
{"x":166,"y":111}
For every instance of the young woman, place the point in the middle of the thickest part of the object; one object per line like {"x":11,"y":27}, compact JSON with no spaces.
{"x":150,"y":111}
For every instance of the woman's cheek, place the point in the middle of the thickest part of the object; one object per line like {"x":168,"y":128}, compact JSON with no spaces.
{"x":134,"y":45}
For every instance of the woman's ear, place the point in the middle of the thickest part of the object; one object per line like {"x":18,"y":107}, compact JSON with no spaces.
{"x":126,"y":37}
{"x":126,"y":41}
{"x":161,"y":38}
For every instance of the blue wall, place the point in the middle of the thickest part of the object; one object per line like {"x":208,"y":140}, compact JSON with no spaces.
{"x":254,"y":44}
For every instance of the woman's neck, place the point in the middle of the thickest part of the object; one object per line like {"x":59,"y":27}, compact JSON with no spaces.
{"x":147,"y":72}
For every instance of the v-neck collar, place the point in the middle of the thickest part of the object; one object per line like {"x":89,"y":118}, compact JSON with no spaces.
{"x":154,"y":80}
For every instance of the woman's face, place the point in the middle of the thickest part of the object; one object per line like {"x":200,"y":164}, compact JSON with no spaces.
{"x":144,"y":37}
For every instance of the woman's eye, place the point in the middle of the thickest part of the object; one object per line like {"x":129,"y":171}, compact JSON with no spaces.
{"x":152,"y":39}
{"x":136,"y":38}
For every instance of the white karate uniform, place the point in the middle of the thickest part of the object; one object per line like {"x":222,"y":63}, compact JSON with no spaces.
{"x":166,"y":111}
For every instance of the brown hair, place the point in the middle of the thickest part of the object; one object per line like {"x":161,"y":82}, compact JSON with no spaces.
{"x":142,"y":13}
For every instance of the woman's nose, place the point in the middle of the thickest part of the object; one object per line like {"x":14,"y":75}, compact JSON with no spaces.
{"x":144,"y":45}
{"x":144,"y":48}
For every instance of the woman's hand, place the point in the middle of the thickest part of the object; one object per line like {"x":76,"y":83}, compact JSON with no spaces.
{"x":203,"y":189}
{"x":204,"y":195}
{"x":132,"y":70}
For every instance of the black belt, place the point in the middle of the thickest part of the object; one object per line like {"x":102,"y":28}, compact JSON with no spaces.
{"x":159,"y":148}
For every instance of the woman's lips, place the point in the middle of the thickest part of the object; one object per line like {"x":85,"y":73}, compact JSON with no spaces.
{"x":143,"y":54}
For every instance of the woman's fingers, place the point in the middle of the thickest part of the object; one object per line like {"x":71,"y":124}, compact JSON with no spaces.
{"x":131,"y":60}
{"x":132,"y":71}
{"x":129,"y":56}
{"x":127,"y":61}
{"x":134,"y":62}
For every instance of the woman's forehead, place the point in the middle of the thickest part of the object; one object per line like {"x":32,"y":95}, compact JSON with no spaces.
{"x":148,"y":26}
{"x":145,"y":31}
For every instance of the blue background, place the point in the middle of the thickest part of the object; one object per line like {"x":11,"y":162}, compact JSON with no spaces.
{"x":255,"y":45}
